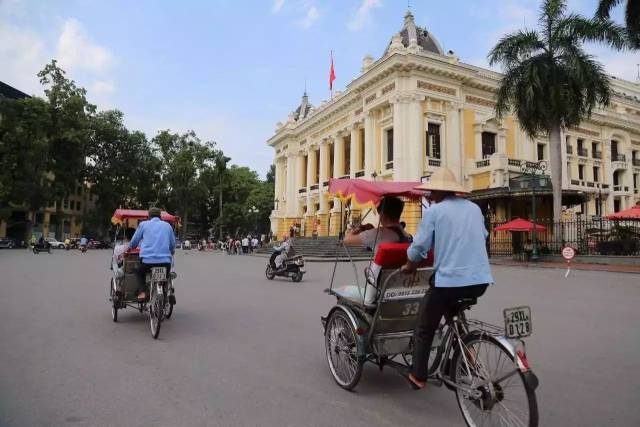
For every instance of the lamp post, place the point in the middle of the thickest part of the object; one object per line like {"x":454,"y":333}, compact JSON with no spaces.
{"x":255,"y":211}
{"x":533,"y":171}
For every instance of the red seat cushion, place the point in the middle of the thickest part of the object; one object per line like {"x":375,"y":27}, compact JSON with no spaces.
{"x":394,"y":255}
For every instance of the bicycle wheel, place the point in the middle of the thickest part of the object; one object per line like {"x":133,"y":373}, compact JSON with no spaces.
{"x":342,"y":351}
{"x":501,"y":396}
{"x":156,"y":312}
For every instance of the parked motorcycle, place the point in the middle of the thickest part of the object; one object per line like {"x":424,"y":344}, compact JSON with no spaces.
{"x":293,"y":267}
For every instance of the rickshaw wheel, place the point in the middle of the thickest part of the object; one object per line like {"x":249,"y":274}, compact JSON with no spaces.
{"x":342,"y":350}
{"x":269,"y":273}
{"x":114,"y":308}
{"x":168,"y":311}
{"x":156,"y":309}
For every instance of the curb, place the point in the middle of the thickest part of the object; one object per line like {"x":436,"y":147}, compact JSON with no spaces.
{"x":559,"y":266}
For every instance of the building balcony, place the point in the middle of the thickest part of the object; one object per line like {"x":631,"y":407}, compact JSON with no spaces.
{"x":620,"y":189}
{"x":388,"y":165}
{"x":359,"y":174}
{"x":436,"y":163}
{"x":615,"y":157}
{"x":590,"y":184}
{"x":325,"y":184}
{"x":302,"y":190}
{"x":597,"y":154}
{"x":569,"y":149}
{"x":636,"y":162}
{"x":314,"y":187}
{"x":583,"y":152}
{"x":483,"y":163}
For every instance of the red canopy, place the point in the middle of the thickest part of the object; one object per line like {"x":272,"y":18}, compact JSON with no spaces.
{"x":121,"y":214}
{"x":632,"y":213}
{"x":519,"y":224}
{"x":364,"y":192}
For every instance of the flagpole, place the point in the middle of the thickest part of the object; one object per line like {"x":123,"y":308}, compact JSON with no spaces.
{"x":331,"y":84}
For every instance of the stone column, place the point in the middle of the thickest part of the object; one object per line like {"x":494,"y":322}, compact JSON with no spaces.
{"x":451,"y":143}
{"x":324,"y":162}
{"x":353,"y":150}
{"x":338,"y":155}
{"x":301,"y":173}
{"x":291,"y":185}
{"x":566,"y":181}
{"x":311,"y":167}
{"x":415,"y":140}
{"x":369,"y":144}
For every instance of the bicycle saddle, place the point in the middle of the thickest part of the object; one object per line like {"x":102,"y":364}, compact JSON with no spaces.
{"x":462,"y":304}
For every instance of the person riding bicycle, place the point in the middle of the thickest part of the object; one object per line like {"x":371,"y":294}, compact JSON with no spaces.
{"x":157,"y":246}
{"x":454,"y":228}
{"x":390,"y":209}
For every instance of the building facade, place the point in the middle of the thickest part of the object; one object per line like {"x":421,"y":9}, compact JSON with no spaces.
{"x":418,"y":108}
{"x":16,"y":219}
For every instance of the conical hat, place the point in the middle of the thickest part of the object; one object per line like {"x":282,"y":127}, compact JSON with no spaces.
{"x":442,"y":180}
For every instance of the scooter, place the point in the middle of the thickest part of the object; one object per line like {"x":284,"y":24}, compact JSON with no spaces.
{"x":293,"y":267}
{"x":37,"y":248}
{"x":83,"y":248}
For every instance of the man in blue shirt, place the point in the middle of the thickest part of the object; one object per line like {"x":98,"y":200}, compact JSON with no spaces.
{"x":454,"y":228}
{"x":157,"y":245}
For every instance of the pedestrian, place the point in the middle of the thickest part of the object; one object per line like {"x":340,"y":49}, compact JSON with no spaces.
{"x":454,"y":229}
{"x":245,"y":245}
{"x":237,"y":246}
{"x":254,"y":244}
{"x":292,"y":231}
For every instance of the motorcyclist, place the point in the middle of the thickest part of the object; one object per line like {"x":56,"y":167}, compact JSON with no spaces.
{"x":83,"y":242}
{"x":41,"y":243}
{"x":284,"y":249}
{"x":157,"y":246}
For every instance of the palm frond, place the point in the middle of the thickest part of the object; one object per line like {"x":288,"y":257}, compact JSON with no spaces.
{"x":632,"y":20}
{"x":551,"y":11}
{"x":604,"y":8}
{"x":515,"y":47}
{"x":576,"y":27}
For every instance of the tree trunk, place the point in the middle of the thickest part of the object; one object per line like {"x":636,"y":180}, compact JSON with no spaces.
{"x":184,"y":226}
{"x":555,"y":163}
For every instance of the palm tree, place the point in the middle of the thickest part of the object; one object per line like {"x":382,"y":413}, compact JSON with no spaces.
{"x":631,"y":18}
{"x":550,"y":83}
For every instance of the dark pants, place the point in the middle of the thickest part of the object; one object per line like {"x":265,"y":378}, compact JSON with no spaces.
{"x":144,"y":269}
{"x":435,"y":304}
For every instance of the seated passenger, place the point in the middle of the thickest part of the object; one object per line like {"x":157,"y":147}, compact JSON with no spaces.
{"x":119,"y":250}
{"x":390,"y":210}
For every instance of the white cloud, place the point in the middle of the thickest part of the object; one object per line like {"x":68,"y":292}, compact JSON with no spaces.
{"x":277,"y":5}
{"x":101,"y":88}
{"x":22,"y":55}
{"x":77,"y":50}
{"x":363,"y":14}
{"x":310,"y":18}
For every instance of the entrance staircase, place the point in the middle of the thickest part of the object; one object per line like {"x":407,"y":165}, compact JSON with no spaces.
{"x":322,"y":249}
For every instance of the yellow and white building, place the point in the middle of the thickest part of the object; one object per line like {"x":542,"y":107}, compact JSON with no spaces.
{"x":418,"y":108}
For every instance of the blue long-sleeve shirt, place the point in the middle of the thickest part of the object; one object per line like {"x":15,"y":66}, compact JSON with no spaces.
{"x":156,"y":240}
{"x":455,"y":229}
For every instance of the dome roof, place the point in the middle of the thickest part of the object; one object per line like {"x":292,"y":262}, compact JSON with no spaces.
{"x":303,"y":110}
{"x":418,"y":35}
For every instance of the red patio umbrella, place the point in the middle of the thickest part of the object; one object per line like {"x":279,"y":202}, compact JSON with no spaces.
{"x":519,"y":224}
{"x":632,"y":213}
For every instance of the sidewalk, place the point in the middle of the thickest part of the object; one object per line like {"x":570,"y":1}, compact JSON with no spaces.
{"x":614,"y":268}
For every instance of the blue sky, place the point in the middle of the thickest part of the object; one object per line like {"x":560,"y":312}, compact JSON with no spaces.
{"x":230,"y":70}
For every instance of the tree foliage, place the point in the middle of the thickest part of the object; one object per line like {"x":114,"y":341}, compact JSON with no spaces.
{"x":631,"y":18}
{"x":550,"y":83}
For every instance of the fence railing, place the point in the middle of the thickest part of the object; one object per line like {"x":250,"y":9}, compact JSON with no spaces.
{"x":592,"y":236}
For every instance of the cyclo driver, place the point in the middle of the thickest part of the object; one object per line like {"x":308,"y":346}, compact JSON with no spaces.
{"x":454,"y":228}
{"x":157,"y":245}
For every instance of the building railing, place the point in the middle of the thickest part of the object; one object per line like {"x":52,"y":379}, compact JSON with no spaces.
{"x":302,"y":190}
{"x":588,"y":236}
{"x":434,"y":162}
{"x":569,"y":149}
{"x":513,"y":162}
{"x":388,"y":165}
{"x":575,"y":182}
{"x":483,"y":163}
{"x":636,"y":162}
{"x":359,"y":174}
{"x":604,"y":186}
{"x":620,"y":188}
{"x":583,"y":152}
{"x":590,"y":184}
{"x":314,"y":187}
{"x":325,"y":183}
{"x":597,"y":154}
{"x":618,"y":157}
{"x":635,"y":191}
{"x":345,"y":177}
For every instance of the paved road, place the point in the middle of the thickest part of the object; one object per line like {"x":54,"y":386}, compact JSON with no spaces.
{"x":243,"y":351}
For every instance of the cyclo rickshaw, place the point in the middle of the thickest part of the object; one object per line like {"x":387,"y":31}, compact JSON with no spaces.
{"x":123,"y":288}
{"x":373,"y":321}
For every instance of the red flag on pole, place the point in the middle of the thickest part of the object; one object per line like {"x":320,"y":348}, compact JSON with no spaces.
{"x":332,"y":74}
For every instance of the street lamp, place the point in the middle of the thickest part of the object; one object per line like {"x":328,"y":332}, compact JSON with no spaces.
{"x":534,"y":171}
{"x":255,"y":211}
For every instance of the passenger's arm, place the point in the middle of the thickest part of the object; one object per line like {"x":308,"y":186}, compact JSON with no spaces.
{"x":353,"y":239}
{"x":137,"y":236}
{"x":172,"y":241}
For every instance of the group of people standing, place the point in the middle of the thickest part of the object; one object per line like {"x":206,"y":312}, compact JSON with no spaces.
{"x":243,"y":245}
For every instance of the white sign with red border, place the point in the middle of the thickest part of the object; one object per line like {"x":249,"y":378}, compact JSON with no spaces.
{"x":568,"y":253}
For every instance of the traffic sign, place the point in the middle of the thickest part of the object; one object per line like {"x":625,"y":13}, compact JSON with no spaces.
{"x":568,"y":253}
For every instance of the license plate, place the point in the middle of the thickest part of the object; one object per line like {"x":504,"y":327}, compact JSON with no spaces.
{"x":517,"y":322}
{"x":158,"y":273}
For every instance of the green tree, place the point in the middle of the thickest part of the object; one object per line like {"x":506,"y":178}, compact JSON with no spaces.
{"x":550,"y":83}
{"x":68,"y":134}
{"x":631,"y":18}
{"x":24,"y":156}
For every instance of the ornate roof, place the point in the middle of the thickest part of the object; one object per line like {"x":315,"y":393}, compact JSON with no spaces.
{"x":303,"y":110}
{"x":413,"y":36}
